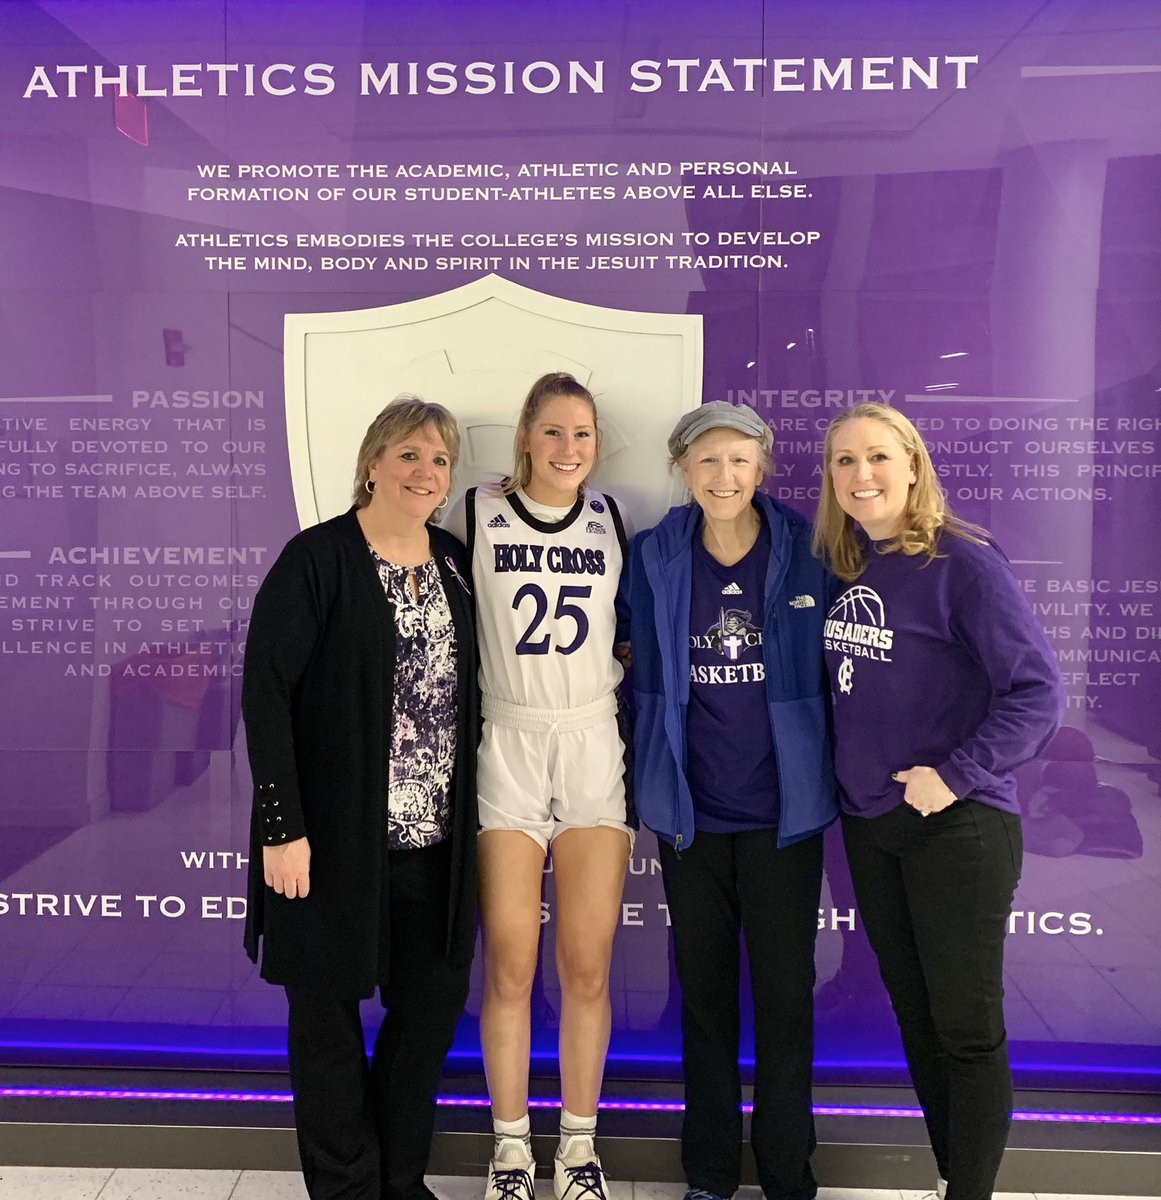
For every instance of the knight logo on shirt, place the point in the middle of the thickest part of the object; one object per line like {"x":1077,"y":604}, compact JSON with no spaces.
{"x":857,"y":626}
{"x":733,"y":633}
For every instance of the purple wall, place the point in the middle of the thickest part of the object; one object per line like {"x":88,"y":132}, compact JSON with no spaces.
{"x":983,"y":252}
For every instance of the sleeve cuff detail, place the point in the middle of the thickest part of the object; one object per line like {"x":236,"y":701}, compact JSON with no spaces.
{"x":278,"y":820}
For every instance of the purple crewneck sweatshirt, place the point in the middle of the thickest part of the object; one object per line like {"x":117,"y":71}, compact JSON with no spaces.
{"x":942,"y":665}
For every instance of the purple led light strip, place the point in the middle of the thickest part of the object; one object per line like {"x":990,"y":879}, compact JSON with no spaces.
{"x":670,"y":1106}
{"x":537,"y":1056}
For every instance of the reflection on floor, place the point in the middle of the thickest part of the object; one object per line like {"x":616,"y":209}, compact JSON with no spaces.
{"x":76,"y":1183}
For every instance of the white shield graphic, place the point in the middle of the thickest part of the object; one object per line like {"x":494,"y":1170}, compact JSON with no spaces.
{"x":477,"y":349}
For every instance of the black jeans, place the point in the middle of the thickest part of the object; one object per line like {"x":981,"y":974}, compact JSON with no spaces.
{"x":935,"y":894}
{"x":724,"y":885}
{"x":364,"y":1131}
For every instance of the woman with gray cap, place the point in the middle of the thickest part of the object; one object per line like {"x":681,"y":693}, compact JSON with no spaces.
{"x":733,"y":773}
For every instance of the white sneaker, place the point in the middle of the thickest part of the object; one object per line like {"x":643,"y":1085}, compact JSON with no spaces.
{"x":576,"y":1172}
{"x":510,"y":1172}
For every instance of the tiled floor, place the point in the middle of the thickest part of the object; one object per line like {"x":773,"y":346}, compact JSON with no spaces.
{"x":66,"y":1183}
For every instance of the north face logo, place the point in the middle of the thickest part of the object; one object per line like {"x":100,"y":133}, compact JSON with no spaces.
{"x":498,"y":522}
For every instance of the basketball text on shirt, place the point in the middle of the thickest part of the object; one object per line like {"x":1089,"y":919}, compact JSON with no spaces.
{"x":856,"y":625}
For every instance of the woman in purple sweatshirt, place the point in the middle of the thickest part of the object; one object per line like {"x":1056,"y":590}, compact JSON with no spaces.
{"x":943,"y":683}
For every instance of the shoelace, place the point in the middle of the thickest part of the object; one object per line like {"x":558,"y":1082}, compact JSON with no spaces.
{"x":587,"y":1180}
{"x":514,"y":1183}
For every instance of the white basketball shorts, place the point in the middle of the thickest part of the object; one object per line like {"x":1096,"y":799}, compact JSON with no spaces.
{"x":545,"y":771}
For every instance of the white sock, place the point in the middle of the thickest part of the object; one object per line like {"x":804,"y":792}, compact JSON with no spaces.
{"x":513,"y":1140}
{"x":572,"y":1127}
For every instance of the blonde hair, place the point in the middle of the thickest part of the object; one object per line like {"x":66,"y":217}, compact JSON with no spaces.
{"x":401,"y":418}
{"x":926,"y":516}
{"x":555,"y":383}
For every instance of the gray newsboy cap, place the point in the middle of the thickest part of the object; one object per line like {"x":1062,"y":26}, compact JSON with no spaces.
{"x":718,"y":414}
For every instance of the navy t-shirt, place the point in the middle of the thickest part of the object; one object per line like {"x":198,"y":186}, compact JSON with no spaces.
{"x":731,"y":768}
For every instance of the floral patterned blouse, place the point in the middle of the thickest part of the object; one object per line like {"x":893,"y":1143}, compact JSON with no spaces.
{"x":423,"y":714}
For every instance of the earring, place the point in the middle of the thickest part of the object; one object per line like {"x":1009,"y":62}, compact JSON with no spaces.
{"x":442,"y":503}
{"x":369,"y":486}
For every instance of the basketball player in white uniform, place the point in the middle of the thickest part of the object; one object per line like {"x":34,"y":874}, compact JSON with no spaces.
{"x":546,"y":560}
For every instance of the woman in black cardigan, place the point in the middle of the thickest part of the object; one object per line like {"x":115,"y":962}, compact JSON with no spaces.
{"x":360,"y":702}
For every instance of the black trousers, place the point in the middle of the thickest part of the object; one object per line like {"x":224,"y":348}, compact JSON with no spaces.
{"x":935,"y":894}
{"x":724,"y":885}
{"x":365,"y":1130}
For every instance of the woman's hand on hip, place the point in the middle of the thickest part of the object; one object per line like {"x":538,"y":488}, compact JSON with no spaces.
{"x":924,"y":790}
{"x":287,"y":868}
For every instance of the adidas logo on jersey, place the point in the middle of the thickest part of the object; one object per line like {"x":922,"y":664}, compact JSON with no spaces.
{"x":731,"y":589}
{"x":803,"y":601}
{"x":498,"y":522}
{"x":594,"y":527}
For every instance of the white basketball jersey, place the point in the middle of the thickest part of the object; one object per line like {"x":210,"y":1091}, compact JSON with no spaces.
{"x":545,"y":597}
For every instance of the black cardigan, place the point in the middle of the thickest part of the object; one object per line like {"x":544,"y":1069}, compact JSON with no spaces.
{"x":316,"y":697}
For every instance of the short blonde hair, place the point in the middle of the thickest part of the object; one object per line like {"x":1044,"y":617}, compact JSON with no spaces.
{"x":926,"y":516}
{"x":555,"y":383}
{"x":401,"y":418}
